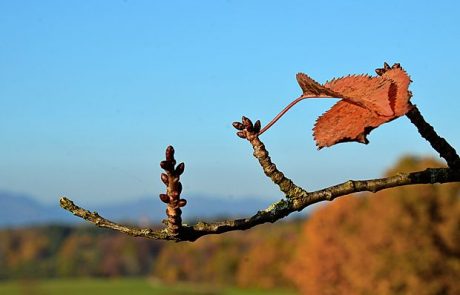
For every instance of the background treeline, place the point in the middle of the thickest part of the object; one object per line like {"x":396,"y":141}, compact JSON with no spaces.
{"x":400,"y":241}
{"x":59,"y":251}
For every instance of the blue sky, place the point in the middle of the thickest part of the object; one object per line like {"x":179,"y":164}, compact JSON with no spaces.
{"x":91,"y":92}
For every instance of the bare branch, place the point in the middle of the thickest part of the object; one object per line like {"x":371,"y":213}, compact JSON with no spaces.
{"x":275,"y":211}
{"x":444,"y":149}
{"x":100,"y":221}
{"x":296,"y":198}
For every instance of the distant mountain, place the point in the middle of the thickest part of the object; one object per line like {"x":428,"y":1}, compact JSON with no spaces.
{"x":21,"y":209}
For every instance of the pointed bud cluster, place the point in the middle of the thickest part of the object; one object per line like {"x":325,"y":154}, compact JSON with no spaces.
{"x":246,"y":127}
{"x":171,"y":178}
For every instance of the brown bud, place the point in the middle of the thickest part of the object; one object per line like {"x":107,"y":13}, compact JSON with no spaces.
{"x":164,"y":178}
{"x":386,"y":66}
{"x":396,"y":66}
{"x":164,"y":198}
{"x":241,"y":134}
{"x":180,"y":169}
{"x":238,"y":125}
{"x":179,"y":187}
{"x":169,"y":153}
{"x":257,"y":126}
{"x":167,"y":165}
{"x":182,"y":202}
{"x":246,"y":122}
{"x":380,"y":71}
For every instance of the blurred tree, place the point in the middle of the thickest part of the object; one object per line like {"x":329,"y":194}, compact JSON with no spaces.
{"x":123,"y":256}
{"x":256,"y":259}
{"x":263,"y":263}
{"x":400,"y":241}
{"x":79,"y":256}
{"x":21,"y":250}
{"x":212,"y":260}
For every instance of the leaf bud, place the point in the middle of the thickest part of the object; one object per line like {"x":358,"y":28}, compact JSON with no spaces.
{"x":182,"y":202}
{"x":164,"y":178}
{"x":238,"y":125}
{"x":257,"y":126}
{"x":179,"y":188}
{"x":164,"y":198}
{"x":169,"y":153}
{"x":180,"y":169}
{"x":246,"y":122}
{"x":167,"y":165}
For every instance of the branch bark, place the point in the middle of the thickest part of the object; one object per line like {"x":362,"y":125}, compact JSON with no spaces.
{"x":437,"y":142}
{"x":296,"y":198}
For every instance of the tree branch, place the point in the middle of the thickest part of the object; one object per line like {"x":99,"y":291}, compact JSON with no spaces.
{"x":438,"y":143}
{"x":296,"y":198}
{"x":275,"y":211}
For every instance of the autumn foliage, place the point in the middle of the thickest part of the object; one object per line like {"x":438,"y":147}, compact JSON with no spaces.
{"x":402,"y":241}
{"x":257,"y":259}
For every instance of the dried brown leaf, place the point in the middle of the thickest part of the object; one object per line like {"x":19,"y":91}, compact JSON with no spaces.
{"x":345,"y":122}
{"x":367,"y":102}
{"x":311,"y":88}
{"x":399,"y":96}
{"x":366,"y":91}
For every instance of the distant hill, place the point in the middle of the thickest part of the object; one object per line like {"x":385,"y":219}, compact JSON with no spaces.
{"x":21,"y":209}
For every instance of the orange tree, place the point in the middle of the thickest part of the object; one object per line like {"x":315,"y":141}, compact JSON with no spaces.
{"x":402,"y":241}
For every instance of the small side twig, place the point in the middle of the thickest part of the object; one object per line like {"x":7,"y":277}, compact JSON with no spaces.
{"x":251,"y":132}
{"x":100,"y":221}
{"x":173,"y":190}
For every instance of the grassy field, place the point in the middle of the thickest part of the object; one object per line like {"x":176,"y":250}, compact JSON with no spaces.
{"x":119,"y":286}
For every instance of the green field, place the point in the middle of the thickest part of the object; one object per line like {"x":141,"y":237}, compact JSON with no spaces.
{"x":119,"y":286}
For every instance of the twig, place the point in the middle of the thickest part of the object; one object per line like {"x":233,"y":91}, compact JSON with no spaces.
{"x":275,"y":211}
{"x":100,"y":221}
{"x":438,"y":143}
{"x":296,"y":198}
{"x":251,"y":132}
{"x":173,"y":190}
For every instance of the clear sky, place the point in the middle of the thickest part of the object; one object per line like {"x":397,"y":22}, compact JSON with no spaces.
{"x":91,"y":92}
